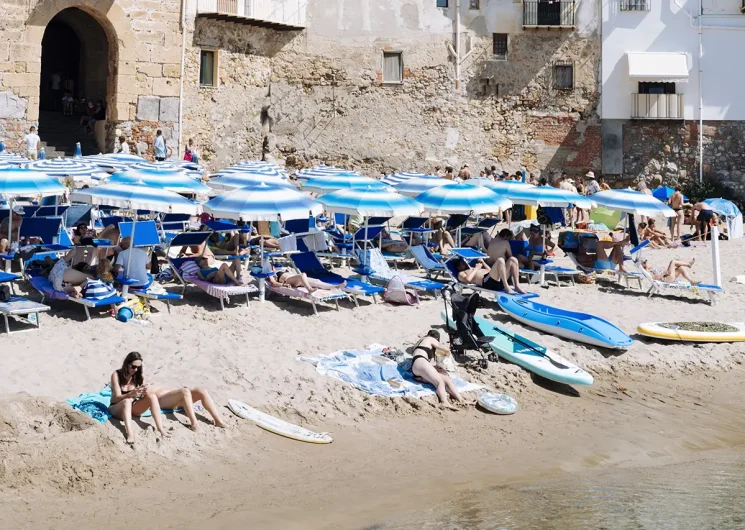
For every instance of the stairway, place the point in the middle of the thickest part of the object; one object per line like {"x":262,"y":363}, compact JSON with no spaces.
{"x":60,"y":133}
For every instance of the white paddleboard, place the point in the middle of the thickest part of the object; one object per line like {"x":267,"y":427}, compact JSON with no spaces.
{"x":277,"y":426}
{"x":498,"y":403}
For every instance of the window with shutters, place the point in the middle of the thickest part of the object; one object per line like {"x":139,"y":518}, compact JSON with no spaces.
{"x":564,"y":75}
{"x":208,"y":68}
{"x":393,"y":68}
{"x":500,"y":45}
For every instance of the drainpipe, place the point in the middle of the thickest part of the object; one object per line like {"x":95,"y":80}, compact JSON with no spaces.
{"x":700,"y":93}
{"x":181,"y":78}
{"x":457,"y":44}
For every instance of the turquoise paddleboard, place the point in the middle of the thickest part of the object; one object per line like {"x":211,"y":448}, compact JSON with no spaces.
{"x":529,"y":355}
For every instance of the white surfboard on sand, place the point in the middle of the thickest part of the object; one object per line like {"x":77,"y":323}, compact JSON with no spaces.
{"x":277,"y":426}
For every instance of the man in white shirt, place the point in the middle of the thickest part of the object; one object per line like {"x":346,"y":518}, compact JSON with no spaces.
{"x":134,"y":262}
{"x":593,"y":187}
{"x":30,"y":143}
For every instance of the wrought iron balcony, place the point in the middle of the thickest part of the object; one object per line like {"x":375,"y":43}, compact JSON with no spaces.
{"x":549,"y":13}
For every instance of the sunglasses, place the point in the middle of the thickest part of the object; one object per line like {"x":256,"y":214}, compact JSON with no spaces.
{"x":135,"y":366}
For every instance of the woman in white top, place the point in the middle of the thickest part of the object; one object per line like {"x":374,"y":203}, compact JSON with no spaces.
{"x":123,"y":146}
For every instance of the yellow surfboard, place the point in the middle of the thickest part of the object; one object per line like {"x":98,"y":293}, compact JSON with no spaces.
{"x":694,"y":331}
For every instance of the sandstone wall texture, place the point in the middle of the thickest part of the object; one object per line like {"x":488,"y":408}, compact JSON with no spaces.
{"x":317,"y":95}
{"x":671,"y":151}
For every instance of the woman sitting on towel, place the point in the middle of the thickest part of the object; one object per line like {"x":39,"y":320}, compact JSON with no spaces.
{"x":132,"y":396}
{"x":287,"y":278}
{"x":220,"y":274}
{"x":674,"y":270}
{"x":424,"y":371}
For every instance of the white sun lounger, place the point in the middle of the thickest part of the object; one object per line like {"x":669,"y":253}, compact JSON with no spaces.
{"x":23,"y":310}
{"x":320,"y":295}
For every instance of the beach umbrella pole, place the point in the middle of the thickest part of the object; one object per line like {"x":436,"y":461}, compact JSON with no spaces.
{"x":716,"y":265}
{"x":125,"y":287}
{"x":9,"y":250}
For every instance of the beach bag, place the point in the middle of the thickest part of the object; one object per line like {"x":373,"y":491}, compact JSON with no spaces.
{"x":188,"y":156}
{"x":97,"y":290}
{"x":189,"y":268}
{"x":4,"y":293}
{"x":396,"y":293}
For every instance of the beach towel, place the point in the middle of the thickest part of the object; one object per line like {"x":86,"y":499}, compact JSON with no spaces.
{"x":368,"y":370}
{"x":96,"y":405}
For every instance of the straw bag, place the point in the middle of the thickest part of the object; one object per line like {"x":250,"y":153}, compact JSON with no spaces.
{"x":396,"y":293}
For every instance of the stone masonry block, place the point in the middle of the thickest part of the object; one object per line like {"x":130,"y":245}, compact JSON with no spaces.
{"x":11,"y":106}
{"x":149,"y":69}
{"x":169,"y":109}
{"x":25,"y":52}
{"x":12,"y":79}
{"x":165,"y":87}
{"x":171,"y":70}
{"x":164,"y":55}
{"x":148,"y":108}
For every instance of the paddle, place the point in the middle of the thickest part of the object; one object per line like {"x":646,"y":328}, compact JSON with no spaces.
{"x":512,"y":338}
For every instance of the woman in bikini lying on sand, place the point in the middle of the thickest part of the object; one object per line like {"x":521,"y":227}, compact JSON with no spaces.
{"x":132,"y":396}
{"x":423,"y":371}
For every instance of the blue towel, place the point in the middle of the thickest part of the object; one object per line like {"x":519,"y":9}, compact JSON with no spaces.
{"x":97,"y":405}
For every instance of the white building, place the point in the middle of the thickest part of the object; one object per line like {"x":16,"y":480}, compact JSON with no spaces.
{"x":665,"y":64}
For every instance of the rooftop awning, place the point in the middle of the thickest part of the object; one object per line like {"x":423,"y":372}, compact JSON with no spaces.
{"x":658,"y":66}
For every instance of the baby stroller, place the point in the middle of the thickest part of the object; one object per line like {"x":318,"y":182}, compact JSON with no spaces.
{"x":466,"y":335}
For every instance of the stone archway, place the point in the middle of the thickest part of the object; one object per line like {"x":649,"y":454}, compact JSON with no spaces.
{"x":121,"y":90}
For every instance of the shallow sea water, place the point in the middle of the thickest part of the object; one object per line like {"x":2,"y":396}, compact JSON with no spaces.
{"x":702,"y":494}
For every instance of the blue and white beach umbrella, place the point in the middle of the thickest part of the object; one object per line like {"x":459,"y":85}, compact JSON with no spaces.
{"x":403,"y":176}
{"x":106,"y":162}
{"x":723,"y":207}
{"x":319,"y":171}
{"x":341,"y":181}
{"x":462,"y":198}
{"x":264,"y":202}
{"x":546,"y":196}
{"x":267,"y":171}
{"x":632,"y":202}
{"x":166,"y":176}
{"x":370,"y":202}
{"x":68,"y":168}
{"x":417,"y":186}
{"x":22,"y":182}
{"x":136,"y":197}
{"x":234,"y":181}
{"x":10,"y":158}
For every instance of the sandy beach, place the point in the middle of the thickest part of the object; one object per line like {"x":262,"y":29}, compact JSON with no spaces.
{"x":654,"y":403}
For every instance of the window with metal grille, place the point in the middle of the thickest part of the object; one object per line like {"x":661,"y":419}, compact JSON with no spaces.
{"x":646,"y":87}
{"x":636,"y":5}
{"x":500,"y":45}
{"x":563,"y":75}
{"x":442,"y":3}
{"x":393,"y":67}
{"x":207,"y":70}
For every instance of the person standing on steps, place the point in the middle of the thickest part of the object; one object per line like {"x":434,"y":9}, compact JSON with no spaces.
{"x":30,"y":143}
{"x":162,"y":150}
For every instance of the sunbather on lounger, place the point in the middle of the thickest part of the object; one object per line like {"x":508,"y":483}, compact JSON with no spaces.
{"x":230,"y":245}
{"x":495,"y":278}
{"x":131,"y":396}
{"x":442,"y":237}
{"x":221,"y":274}
{"x":287,"y":278}
{"x":422,"y":370}
{"x":608,"y":261}
{"x":394,"y":246}
{"x":66,"y":279}
{"x":674,"y":270}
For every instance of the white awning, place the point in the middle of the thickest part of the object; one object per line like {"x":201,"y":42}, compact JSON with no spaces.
{"x":657,"y":66}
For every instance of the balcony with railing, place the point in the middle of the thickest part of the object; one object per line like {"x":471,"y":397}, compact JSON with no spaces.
{"x":549,"y":13}
{"x":657,"y":106}
{"x":282,"y":15}
{"x":637,"y":5}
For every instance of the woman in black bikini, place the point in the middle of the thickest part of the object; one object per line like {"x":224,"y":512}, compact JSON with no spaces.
{"x":424,"y":371}
{"x":287,"y":278}
{"x":132,"y":396}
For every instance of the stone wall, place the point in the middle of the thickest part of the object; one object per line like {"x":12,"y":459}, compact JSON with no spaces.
{"x":671,"y":151}
{"x":304,"y":99}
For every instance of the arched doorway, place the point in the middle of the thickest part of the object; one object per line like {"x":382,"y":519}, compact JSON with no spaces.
{"x":74,"y":64}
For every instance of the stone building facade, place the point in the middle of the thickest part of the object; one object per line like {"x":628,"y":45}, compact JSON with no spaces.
{"x":370,"y":85}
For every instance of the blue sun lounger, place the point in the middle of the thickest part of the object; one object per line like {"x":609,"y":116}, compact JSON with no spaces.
{"x":376,"y":267}
{"x":425,"y":259}
{"x":309,"y":263}
{"x":44,"y":287}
